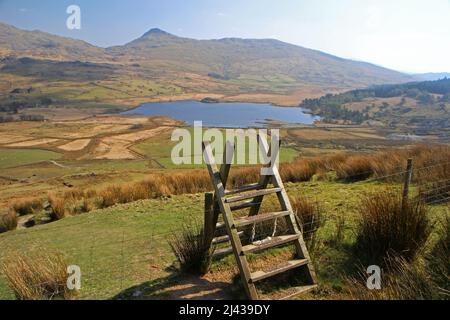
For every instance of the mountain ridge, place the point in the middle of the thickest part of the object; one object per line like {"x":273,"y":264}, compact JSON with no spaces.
{"x":249,"y":62}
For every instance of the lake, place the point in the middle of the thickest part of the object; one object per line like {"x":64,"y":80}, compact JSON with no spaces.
{"x":224,"y":114}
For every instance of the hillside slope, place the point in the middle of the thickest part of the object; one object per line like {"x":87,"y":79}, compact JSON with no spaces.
{"x":23,"y":43}
{"x":260,"y":59}
{"x":247,"y":62}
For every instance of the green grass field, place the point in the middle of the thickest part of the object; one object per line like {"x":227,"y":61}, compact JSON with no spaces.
{"x":19,"y":157}
{"x":160,"y":149}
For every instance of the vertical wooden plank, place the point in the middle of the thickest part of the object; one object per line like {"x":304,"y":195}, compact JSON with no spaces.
{"x":407,"y":183}
{"x":263,"y":180}
{"x":209,"y":226}
{"x":224,"y":173}
{"x":229,"y":223}
{"x":302,"y":250}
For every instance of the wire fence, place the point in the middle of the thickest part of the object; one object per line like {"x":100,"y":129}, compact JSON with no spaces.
{"x":119,"y":260}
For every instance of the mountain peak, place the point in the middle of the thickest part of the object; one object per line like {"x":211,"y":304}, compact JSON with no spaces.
{"x":156,"y":32}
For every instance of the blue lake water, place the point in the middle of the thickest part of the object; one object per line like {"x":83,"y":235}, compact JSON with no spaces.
{"x":224,"y":115}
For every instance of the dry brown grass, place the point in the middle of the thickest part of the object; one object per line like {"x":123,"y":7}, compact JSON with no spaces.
{"x":401,"y":280}
{"x":386,"y":226}
{"x":354,"y":168}
{"x":58,"y":207}
{"x":309,"y":216}
{"x":299,"y":171}
{"x":37,"y":277}
{"x":27,"y":206}
{"x":348,"y":167}
{"x":8,"y":221}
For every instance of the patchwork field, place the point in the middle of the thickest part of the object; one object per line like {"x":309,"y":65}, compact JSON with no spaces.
{"x":38,"y":157}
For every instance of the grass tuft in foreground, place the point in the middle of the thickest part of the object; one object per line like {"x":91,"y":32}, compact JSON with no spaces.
{"x":401,"y":280}
{"x":191,"y":249}
{"x":386,"y":226}
{"x":8,"y":221}
{"x":37,"y":277}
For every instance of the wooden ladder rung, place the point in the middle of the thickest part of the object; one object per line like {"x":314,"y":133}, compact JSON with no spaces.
{"x":222,"y":252}
{"x":300,"y":290}
{"x":274,"y":242}
{"x":250,"y":187}
{"x":260,"y":218}
{"x":225,"y":238}
{"x":220,"y":225}
{"x":252,"y":195}
{"x":244,"y":205}
{"x":289,"y":265}
{"x":238,"y":223}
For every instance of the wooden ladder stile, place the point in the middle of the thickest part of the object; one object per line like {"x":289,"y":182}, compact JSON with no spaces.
{"x":251,"y":196}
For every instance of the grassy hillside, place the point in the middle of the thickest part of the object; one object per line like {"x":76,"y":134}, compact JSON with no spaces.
{"x":19,"y":42}
{"x":234,"y":58}
{"x":421,"y":106}
{"x":124,"y":250}
{"x":226,"y":67}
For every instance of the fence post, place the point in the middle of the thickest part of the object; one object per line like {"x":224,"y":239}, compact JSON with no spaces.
{"x":408,"y":179}
{"x":209,"y":216}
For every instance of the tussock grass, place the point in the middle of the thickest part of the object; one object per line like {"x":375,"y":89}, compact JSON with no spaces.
{"x":386,"y":227}
{"x":37,"y":277}
{"x":8,"y":221}
{"x":354,"y":168}
{"x":309,"y":216}
{"x":58,"y":207}
{"x":191,"y":249}
{"x":299,"y":171}
{"x":27,"y":206}
{"x":401,"y":280}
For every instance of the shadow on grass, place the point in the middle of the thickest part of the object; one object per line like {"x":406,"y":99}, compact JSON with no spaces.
{"x":178,"y":286}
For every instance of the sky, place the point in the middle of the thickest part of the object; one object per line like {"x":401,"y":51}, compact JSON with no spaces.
{"x":406,"y":35}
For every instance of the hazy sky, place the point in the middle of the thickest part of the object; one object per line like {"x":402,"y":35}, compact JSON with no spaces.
{"x":406,"y":35}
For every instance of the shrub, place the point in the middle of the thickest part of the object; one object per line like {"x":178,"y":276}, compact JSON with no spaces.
{"x":386,"y":226}
{"x":58,"y":207}
{"x":8,"y":221}
{"x":27,"y":206}
{"x":37,"y":277}
{"x":191,"y":249}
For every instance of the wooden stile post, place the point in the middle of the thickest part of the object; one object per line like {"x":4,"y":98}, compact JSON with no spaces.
{"x":226,"y":202}
{"x":408,"y":179}
{"x":209,"y":216}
